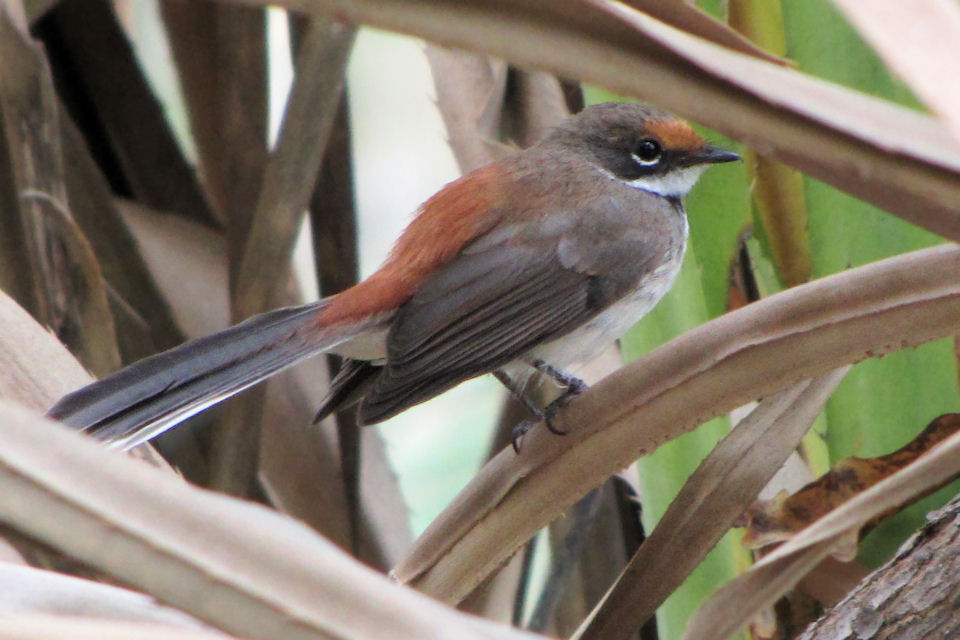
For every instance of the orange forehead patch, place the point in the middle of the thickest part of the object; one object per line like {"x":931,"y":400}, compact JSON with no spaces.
{"x":675,"y":133}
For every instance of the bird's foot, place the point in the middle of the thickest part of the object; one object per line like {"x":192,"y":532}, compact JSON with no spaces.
{"x":519,"y":431}
{"x":572,"y":384}
{"x":573,"y":387}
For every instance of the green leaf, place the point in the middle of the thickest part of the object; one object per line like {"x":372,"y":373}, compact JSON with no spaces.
{"x":825,"y":45}
{"x":882,"y":404}
{"x":718,"y":208}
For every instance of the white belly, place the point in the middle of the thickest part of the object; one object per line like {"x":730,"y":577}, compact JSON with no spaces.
{"x":588,"y":341}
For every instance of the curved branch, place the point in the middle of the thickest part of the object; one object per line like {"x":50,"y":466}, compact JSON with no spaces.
{"x":915,"y":595}
{"x":750,"y":353}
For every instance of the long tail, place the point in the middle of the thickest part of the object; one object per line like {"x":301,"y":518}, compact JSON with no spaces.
{"x":150,"y":396}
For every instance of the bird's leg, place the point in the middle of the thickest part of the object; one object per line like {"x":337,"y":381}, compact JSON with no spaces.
{"x":517,"y":391}
{"x":572,"y":385}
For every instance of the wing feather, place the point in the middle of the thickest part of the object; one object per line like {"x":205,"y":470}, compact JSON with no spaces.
{"x":518,"y":286}
{"x":477,"y":314}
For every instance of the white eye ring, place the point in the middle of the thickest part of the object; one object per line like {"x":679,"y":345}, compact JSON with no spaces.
{"x":647,"y":152}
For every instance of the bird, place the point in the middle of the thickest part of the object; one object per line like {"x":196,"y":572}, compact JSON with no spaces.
{"x":521,"y":268}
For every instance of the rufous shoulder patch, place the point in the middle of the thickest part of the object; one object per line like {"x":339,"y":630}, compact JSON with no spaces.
{"x":444,"y":224}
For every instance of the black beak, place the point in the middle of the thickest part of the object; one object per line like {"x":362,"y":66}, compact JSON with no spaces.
{"x":708,"y":154}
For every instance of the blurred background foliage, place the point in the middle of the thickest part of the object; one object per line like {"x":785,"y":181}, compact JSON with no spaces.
{"x":756,"y":228}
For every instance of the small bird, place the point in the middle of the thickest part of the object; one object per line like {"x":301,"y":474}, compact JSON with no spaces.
{"x":532,"y":263}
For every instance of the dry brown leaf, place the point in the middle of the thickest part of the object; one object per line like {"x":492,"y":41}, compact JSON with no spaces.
{"x":589,"y":546}
{"x":333,"y":210}
{"x":46,"y":264}
{"x":483,"y":121}
{"x":97,"y":345}
{"x":288,"y":180}
{"x":732,"y":605}
{"x":219,"y":52}
{"x":385,"y":533}
{"x":894,"y":158}
{"x":32,"y":10}
{"x":237,"y":565}
{"x":187,"y":261}
{"x":754,"y":351}
{"x":291,"y":170}
{"x":26,"y":93}
{"x":470,"y":90}
{"x":737,"y":468}
{"x":536,"y":105}
{"x":920,"y":42}
{"x":35,"y":368}
{"x":261,"y":241}
{"x":779,"y":519}
{"x":92,"y":206}
{"x":684,"y":15}
{"x":105,"y":77}
{"x":190,"y":28}
{"x":48,"y":627}
{"x":28,"y":591}
{"x":299,"y":467}
{"x":496,"y":598}
{"x":229,"y":113}
{"x":725,"y":611}
{"x":18,"y":13}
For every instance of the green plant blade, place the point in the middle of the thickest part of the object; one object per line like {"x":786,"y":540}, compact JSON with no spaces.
{"x":883,"y":403}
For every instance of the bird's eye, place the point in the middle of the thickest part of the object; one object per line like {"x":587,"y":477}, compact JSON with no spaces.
{"x":647,"y":152}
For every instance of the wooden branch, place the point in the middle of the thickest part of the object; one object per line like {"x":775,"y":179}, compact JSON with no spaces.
{"x":915,"y":595}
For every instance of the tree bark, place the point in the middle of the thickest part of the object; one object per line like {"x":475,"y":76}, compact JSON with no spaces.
{"x":915,"y":595}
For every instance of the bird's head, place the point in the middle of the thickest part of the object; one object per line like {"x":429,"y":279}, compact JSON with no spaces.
{"x":642,"y":146}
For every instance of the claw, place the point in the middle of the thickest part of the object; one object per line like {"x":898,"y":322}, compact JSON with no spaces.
{"x":518,"y":432}
{"x":552,"y":429}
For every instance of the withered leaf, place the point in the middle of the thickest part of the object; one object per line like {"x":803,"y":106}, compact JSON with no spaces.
{"x":779,"y":519}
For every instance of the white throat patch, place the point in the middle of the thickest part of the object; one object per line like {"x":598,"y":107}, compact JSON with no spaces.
{"x":676,"y":183}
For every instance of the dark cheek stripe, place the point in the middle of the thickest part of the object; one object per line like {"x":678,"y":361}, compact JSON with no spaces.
{"x":626,"y":168}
